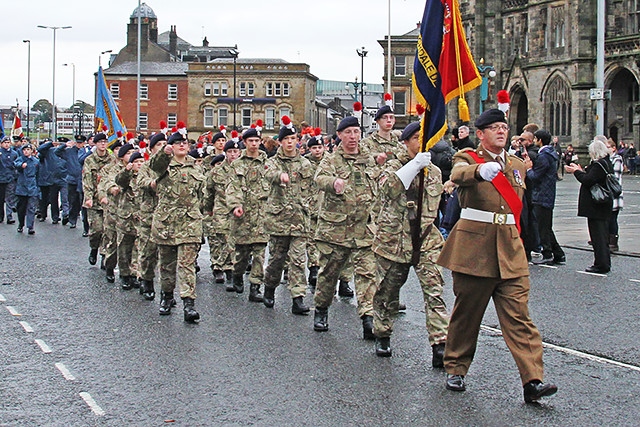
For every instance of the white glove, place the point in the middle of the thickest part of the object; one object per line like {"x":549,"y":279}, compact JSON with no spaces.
{"x":411,"y":169}
{"x":489,"y":170}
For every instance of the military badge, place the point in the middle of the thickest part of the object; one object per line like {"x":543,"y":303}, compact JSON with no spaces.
{"x":518,"y":178}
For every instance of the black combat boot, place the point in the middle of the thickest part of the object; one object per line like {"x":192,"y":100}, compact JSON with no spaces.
{"x":298,"y":306}
{"x":218,"y":276}
{"x":367,"y":328}
{"x":269,"y":297}
{"x":135,"y":282}
{"x":102,"y":266}
{"x":313,"y":278}
{"x":344,"y":290}
{"x":93,"y":256}
{"x":320,"y":319}
{"x":437,"y":361}
{"x":237,"y":285}
{"x":125,"y":283}
{"x":254,"y":293}
{"x":147,"y":290}
{"x":166,"y":302}
{"x":111,"y":278}
{"x":383,"y":347}
{"x":228,"y":275}
{"x":190,"y":313}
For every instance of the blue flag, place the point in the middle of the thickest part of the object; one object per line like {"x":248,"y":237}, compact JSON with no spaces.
{"x":1,"y":127}
{"x":107,"y":112}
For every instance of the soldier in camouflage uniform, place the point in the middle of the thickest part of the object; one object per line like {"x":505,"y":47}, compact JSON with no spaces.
{"x":92,"y":172}
{"x":344,"y":225}
{"x":145,"y":191}
{"x":315,"y":155}
{"x":218,"y":142}
{"x":177,"y":223}
{"x":246,"y":195}
{"x":217,"y":220}
{"x":398,"y":244}
{"x":287,"y":218}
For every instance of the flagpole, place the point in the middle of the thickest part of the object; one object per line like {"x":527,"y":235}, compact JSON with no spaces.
{"x":138,"y":78}
{"x":416,"y":238}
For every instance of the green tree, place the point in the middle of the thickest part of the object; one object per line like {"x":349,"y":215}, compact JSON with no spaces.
{"x":44,"y":109}
{"x":84,"y":107}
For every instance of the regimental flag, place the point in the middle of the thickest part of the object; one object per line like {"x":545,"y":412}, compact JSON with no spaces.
{"x":1,"y":127}
{"x":443,"y":68}
{"x":16,"y":129}
{"x":107,"y":112}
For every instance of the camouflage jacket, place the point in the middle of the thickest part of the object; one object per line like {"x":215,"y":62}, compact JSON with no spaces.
{"x":344,"y":219}
{"x":247,"y":188}
{"x":376,"y":144}
{"x":286,"y":211}
{"x":215,"y":200}
{"x":314,"y":197}
{"x":107,"y":182}
{"x":146,"y":195}
{"x":180,"y":189}
{"x":92,"y":172}
{"x":128,"y":205}
{"x":393,"y":235}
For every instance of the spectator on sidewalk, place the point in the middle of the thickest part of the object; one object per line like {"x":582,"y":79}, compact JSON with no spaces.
{"x":618,"y":168}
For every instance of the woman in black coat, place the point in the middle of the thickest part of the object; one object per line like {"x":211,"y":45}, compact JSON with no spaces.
{"x":597,"y":214}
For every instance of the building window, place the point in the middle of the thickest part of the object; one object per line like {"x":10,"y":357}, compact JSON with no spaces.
{"x":558,"y":100}
{"x":399,"y":103}
{"x":173,"y":92}
{"x":114,"y":88}
{"x":277,"y":89}
{"x":246,"y":117}
{"x":400,"y":66}
{"x":144,"y":91}
{"x":216,"y":88}
{"x":285,"y":89}
{"x":270,"y":118}
{"x":224,"y":88}
{"x":558,"y":26}
{"x":172,"y":120}
{"x":246,"y":89}
{"x":285,"y":112}
{"x":143,"y":122}
{"x":208,"y":117}
{"x":633,"y":7}
{"x":208,"y":90}
{"x":223,"y":116}
{"x":545,"y":42}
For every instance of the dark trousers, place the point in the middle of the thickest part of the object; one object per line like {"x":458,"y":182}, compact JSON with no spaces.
{"x":50,"y":196}
{"x":599,"y":234}
{"x":613,"y":222}
{"x":26,"y":210}
{"x":75,"y":203}
{"x":550,"y":246}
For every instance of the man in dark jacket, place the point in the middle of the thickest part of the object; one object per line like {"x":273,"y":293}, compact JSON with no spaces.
{"x":73,"y":154}
{"x":543,"y":177}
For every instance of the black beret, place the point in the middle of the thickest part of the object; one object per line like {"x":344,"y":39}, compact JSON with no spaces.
{"x":63,"y":139}
{"x":136,"y":155}
{"x":250,"y":133}
{"x":233,"y":144}
{"x":285,"y":132}
{"x":316,"y":140}
{"x":385,"y":109}
{"x":81,"y":138}
{"x":217,"y":136}
{"x":490,"y":117}
{"x":217,"y":159}
{"x":124,"y":149}
{"x":27,"y":146}
{"x":100,"y":136}
{"x":175,"y":137}
{"x":347,"y":122}
{"x":409,"y":131}
{"x":197,"y":154}
{"x":157,"y":138}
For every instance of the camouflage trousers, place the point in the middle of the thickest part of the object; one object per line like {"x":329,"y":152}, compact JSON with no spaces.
{"x":289,"y":249}
{"x":393,"y":276}
{"x":244,"y":253}
{"x":96,"y":228}
{"x":221,"y":251}
{"x":147,"y":252}
{"x":333,"y":259}
{"x":126,"y":249}
{"x":313,"y":256}
{"x":110,"y":240}
{"x":178,"y":263}
{"x":346,"y":274}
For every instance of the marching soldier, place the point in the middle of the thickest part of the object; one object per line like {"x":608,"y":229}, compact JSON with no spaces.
{"x":316,"y":152}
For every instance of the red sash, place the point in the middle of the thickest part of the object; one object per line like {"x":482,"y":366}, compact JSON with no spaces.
{"x":502,"y":184}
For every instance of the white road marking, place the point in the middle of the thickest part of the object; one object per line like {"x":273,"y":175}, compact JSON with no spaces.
{"x":546,"y":266}
{"x":2,"y":298}
{"x":635,"y":280}
{"x":27,"y":327}
{"x":574,"y":352}
{"x":65,"y":372}
{"x":13,"y":311}
{"x":591,"y":274}
{"x":45,"y":348}
{"x":92,"y":403}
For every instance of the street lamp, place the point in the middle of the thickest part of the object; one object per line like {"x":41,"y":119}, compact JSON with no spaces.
{"x":53,"y":100}
{"x":28,"y":81}
{"x":486,"y":72}
{"x":362,"y":53}
{"x":235,"y":53}
{"x":356,"y":85}
{"x":100,"y":57}
{"x":73,"y":86}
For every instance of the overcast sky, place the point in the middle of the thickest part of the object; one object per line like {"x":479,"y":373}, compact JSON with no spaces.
{"x":321,"y":33}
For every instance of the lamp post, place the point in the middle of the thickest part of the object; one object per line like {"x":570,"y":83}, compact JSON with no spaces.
{"x":362,"y":53}
{"x":486,"y":72}
{"x":53,"y":100}
{"x":73,"y":86}
{"x":235,"y":53}
{"x":28,"y":82}
{"x":100,"y":57}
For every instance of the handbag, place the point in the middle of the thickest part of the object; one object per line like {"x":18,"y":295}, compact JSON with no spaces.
{"x":607,"y":192}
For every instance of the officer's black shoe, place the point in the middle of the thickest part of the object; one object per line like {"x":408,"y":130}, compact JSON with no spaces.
{"x":402,"y":306}
{"x":190,"y":313}
{"x":535,"y":390}
{"x":20,"y":229}
{"x":111,"y":278}
{"x":320,"y":319}
{"x":228,"y":275}
{"x":126,"y":282}
{"x":218,"y":276}
{"x":344,"y":290}
{"x":11,"y":221}
{"x":197,"y":268}
{"x":166,"y":302}
{"x":437,"y":360}
{"x":237,"y":283}
{"x":135,"y":283}
{"x":455,"y":383}
{"x":65,"y":219}
{"x":93,"y":256}
{"x":313,"y":278}
{"x":147,"y":290}
{"x":85,"y":234}
{"x":269,"y":297}
{"x":102,"y":266}
{"x":298,"y":306}
{"x":367,"y":328}
{"x":254,"y":293}
{"x":383,"y":347}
